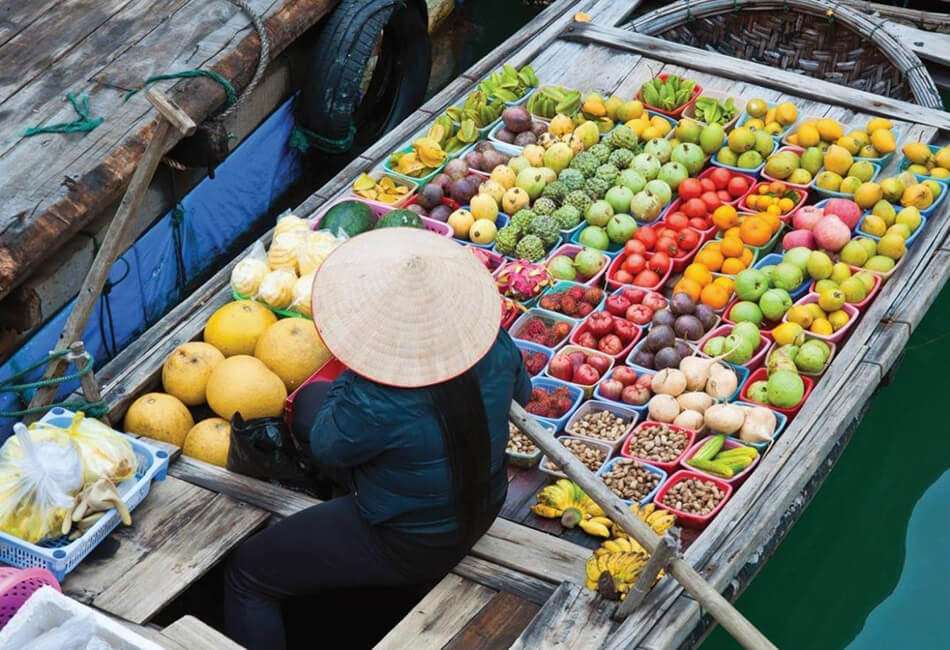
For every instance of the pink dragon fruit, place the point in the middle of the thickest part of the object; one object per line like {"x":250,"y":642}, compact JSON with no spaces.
{"x":523,"y":280}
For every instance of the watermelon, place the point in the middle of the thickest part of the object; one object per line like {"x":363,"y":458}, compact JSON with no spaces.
{"x":352,"y":217}
{"x":400,"y":219}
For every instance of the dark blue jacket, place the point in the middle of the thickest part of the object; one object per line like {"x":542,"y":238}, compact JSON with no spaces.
{"x":389,"y":440}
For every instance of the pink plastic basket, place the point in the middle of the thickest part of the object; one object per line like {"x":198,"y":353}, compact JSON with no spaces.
{"x":379,"y":209}
{"x":16,"y":587}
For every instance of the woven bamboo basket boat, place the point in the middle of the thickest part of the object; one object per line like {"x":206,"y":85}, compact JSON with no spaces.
{"x":825,"y":40}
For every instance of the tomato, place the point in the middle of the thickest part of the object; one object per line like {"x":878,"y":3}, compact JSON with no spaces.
{"x":708,"y":185}
{"x":665,"y":232}
{"x":623,"y":277}
{"x":634,"y":263}
{"x":667,"y":245}
{"x":738,"y":186}
{"x":724,"y":196}
{"x":634,"y":246}
{"x":647,"y":235}
{"x":690,"y":188}
{"x":688,"y":239}
{"x":695,"y":208}
{"x":646,"y":278}
{"x":720,"y":177}
{"x":677,"y":220}
{"x":700,"y":223}
{"x":711,"y":200}
{"x":659,"y":263}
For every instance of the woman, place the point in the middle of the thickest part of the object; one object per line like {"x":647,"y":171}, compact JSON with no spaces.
{"x":417,"y":427}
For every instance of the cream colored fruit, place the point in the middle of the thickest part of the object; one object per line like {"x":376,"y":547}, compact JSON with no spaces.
{"x":159,"y":416}
{"x":483,"y":206}
{"x":292,"y":349}
{"x":235,"y":327}
{"x":209,"y":440}
{"x":514,"y":199}
{"x":482,"y":231}
{"x":461,"y":222}
{"x":186,"y":370}
{"x":504,"y":176}
{"x":244,"y":384}
{"x":493,"y":189}
{"x":867,"y":195}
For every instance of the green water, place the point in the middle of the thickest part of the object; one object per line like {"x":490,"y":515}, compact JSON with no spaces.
{"x":866,"y":566}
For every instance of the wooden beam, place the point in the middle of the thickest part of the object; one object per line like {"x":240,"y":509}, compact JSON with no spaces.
{"x":729,"y":67}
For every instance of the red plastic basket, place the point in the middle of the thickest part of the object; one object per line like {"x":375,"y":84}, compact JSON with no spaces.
{"x":860,"y":306}
{"x":694,"y":521}
{"x":16,"y":587}
{"x":852,"y":311}
{"x":786,"y":217}
{"x":734,"y":202}
{"x":327,"y":372}
{"x":762,"y":374}
{"x":618,"y":358}
{"x":615,"y":265}
{"x":676,"y":112}
{"x":728,"y":443}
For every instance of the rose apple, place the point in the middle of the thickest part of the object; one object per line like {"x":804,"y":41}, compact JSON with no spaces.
{"x":587,"y":340}
{"x":635,"y":296}
{"x":639,"y":314}
{"x":599,"y":363}
{"x":624,"y":374}
{"x":561,"y":367}
{"x":611,"y":389}
{"x":634,"y":263}
{"x":690,"y":188}
{"x":610,"y":344}
{"x":617,"y":305}
{"x":655,"y":301}
{"x":636,"y":395}
{"x":586,"y":374}
{"x":626,"y":330}
{"x":600,"y":323}
{"x":623,"y":277}
{"x":634,"y":246}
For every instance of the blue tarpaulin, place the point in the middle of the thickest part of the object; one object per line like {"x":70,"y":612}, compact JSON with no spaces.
{"x":151,"y":277}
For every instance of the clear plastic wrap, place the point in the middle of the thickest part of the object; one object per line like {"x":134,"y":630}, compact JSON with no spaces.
{"x":105,"y":453}
{"x":277,"y":288}
{"x":302,"y":290}
{"x":247,"y":275}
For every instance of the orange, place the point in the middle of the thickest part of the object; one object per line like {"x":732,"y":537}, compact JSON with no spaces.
{"x":731,"y":247}
{"x":732,"y":266}
{"x":726,"y":283}
{"x":688,"y":286}
{"x":714,"y":296}
{"x":774,"y":209}
{"x":777,"y":187}
{"x":752,"y":201}
{"x":773,"y":221}
{"x":746,"y":257}
{"x":755,"y":231}
{"x":725,"y":217}
{"x":714,"y":246}
{"x":711,"y":259}
{"x":699,"y":274}
{"x":763,"y":188}
{"x":786,"y":204}
{"x":732,"y":232}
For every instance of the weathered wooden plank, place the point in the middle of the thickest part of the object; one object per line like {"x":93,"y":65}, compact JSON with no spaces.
{"x":572,"y":618}
{"x":504,"y":579}
{"x":534,"y":553}
{"x":497,"y":625}
{"x":439,"y":616}
{"x":19,"y":16}
{"x":153,"y":634}
{"x":192,"y":633}
{"x":183,"y":557}
{"x":886,"y":344}
{"x":748,"y":71}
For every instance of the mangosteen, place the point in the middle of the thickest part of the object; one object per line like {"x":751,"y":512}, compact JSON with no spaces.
{"x":475,"y":160}
{"x":660,"y":336}
{"x":706,"y":316}
{"x":667,"y":358}
{"x":484,"y":146}
{"x":681,"y":304}
{"x":683,"y":348}
{"x":664,"y":317}
{"x":525,"y":138}
{"x":441,"y":180}
{"x":516,"y":119}
{"x":440,"y":213}
{"x":430,"y":196}
{"x":456,"y":169}
{"x":418,"y":209}
{"x":643,"y":358}
{"x":492,"y":159}
{"x":688,"y":327}
{"x":504,"y":135}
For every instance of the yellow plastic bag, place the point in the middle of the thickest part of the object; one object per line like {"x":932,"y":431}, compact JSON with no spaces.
{"x":40,"y":475}
{"x":105,"y":453}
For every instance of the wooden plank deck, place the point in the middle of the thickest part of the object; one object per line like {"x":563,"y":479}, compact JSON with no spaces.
{"x":531,"y":559}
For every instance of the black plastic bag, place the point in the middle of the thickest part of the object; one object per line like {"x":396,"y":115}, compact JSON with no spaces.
{"x":264,"y":448}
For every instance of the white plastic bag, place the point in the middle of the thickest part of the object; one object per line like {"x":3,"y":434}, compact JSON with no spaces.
{"x":40,"y":474}
{"x":105,"y":453}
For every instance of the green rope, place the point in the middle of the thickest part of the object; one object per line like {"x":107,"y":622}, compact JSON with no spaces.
{"x":8,"y":385}
{"x":188,"y":74}
{"x":81,"y":124}
{"x":302,"y":138}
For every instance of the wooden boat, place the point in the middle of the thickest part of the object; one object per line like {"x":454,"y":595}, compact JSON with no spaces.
{"x":522,"y":584}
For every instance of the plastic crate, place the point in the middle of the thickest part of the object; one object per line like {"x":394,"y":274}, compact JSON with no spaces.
{"x":60,"y":556}
{"x":728,"y":443}
{"x":668,"y":466}
{"x":755,"y":171}
{"x":587,"y":441}
{"x":678,"y":111}
{"x":837,"y":336}
{"x":744,"y":206}
{"x":584,"y":327}
{"x":591,"y":406}
{"x":650,"y":468}
{"x":567,"y":349}
{"x":910,"y":240}
{"x":563,"y":285}
{"x":528,"y":346}
{"x":745,"y":117}
{"x":529,"y":460}
{"x":571,"y":250}
{"x":686,"y":519}
{"x":18,"y":585}
{"x":734,"y":202}
{"x":796,"y":150}
{"x":860,"y":306}
{"x":765,"y":327}
{"x":905,"y":163}
{"x":549,"y":318}
{"x":841,"y":195}
{"x":550,"y":384}
{"x":613,"y":284}
{"x":809,"y":336}
{"x":773,"y":259}
{"x":612,"y":250}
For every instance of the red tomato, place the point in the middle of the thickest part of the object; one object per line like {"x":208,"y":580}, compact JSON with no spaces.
{"x":634,"y":246}
{"x":666,"y":232}
{"x":695,"y":208}
{"x":647,"y":235}
{"x":667,"y":245}
{"x":724,"y":196}
{"x":700,"y":223}
{"x":634,"y":263}
{"x":711,"y":200}
{"x":738,"y":186}
{"x":646,"y":278}
{"x":659,"y":263}
{"x":708,"y":185}
{"x":720,"y":177}
{"x":690,"y":188}
{"x":623,"y":277}
{"x":688,"y":239}
{"x":677,"y":220}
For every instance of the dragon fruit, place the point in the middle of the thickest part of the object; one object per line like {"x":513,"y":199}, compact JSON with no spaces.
{"x":523,"y":280}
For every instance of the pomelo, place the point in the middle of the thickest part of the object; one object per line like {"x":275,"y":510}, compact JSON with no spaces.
{"x":244,"y":384}
{"x":236,"y":326}
{"x":186,"y":370}
{"x":159,"y":416}
{"x":209,"y":440}
{"x":292,"y":350}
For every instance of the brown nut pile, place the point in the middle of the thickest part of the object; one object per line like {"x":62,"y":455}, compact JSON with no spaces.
{"x":519,"y":443}
{"x":694,"y":496}
{"x":658,"y":442}
{"x":602,"y":425}
{"x":629,"y":480}
{"x":592,"y":457}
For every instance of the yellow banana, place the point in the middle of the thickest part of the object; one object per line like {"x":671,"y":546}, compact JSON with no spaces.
{"x":592,"y":527}
{"x":546,"y":511}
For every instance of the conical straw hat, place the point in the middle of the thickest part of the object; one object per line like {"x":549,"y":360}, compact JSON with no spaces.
{"x":405,"y":307}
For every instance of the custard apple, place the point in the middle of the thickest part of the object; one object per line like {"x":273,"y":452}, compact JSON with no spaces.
{"x":586,"y":163}
{"x":555,"y":191}
{"x":608,"y":173}
{"x":601,"y":152}
{"x":506,"y":240}
{"x":567,"y":216}
{"x":522,"y":219}
{"x":544,"y":205}
{"x":596,"y":188}
{"x":578,"y":199}
{"x":546,"y":228}
{"x":530,"y":248}
{"x":623,"y":137}
{"x":621,"y":158}
{"x":572,"y":178}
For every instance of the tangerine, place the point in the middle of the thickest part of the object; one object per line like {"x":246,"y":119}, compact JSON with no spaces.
{"x":731,"y":246}
{"x":714,"y":296}
{"x":690,"y":287}
{"x":747,"y":257}
{"x":698,"y":273}
{"x":755,"y":231}
{"x":725,"y":216}
{"x":711,"y":259}
{"x":732,"y":266}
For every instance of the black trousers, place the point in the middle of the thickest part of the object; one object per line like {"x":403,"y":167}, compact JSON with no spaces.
{"x":326,"y":547}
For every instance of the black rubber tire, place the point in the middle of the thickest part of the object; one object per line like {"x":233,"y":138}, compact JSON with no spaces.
{"x":330,"y":100}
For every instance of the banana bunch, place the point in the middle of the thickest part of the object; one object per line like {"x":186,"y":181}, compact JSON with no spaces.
{"x":613,"y":573}
{"x":548,"y":101}
{"x":478,"y":108}
{"x":507,"y":84}
{"x":658,"y":519}
{"x":667,"y":94}
{"x":565,"y":499}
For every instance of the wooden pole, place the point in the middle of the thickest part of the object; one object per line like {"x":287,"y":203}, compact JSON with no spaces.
{"x":170,"y":117}
{"x":658,"y":561}
{"x":711,"y":600}
{"x":78,"y":356}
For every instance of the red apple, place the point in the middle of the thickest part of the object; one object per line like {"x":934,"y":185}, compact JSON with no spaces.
{"x":654,"y":301}
{"x":611,"y":389}
{"x":610,"y":344}
{"x":639,"y":314}
{"x":561,"y":367}
{"x":634,"y":295}
{"x":624,"y":374}
{"x":626,"y":330}
{"x":600,"y":323}
{"x":586,"y":374}
{"x":635,"y":394}
{"x":617,"y":304}
{"x":600,"y":364}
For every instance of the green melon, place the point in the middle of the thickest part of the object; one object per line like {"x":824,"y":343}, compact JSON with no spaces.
{"x":400,"y":219}
{"x":352,"y":217}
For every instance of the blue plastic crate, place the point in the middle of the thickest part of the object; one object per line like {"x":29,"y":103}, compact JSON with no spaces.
{"x":910,"y":240}
{"x":755,"y":171}
{"x":613,"y":249}
{"x":529,"y":346}
{"x":60,"y":555}
{"x":905,"y":163}
{"x":840,"y":195}
{"x":576,"y":393}
{"x":500,"y":222}
{"x":650,"y":468}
